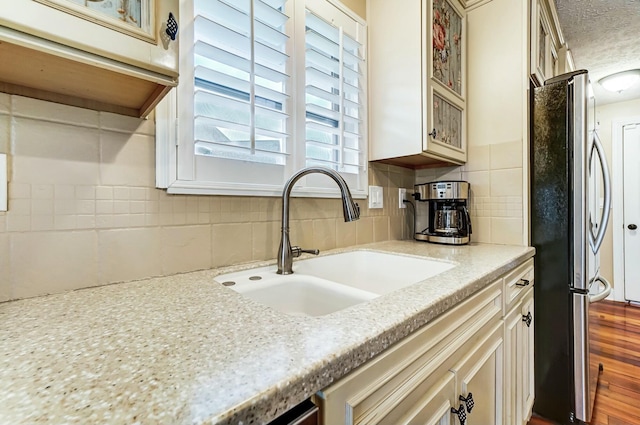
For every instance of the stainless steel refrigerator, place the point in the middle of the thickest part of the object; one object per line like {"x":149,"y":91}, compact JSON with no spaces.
{"x":568,"y":171}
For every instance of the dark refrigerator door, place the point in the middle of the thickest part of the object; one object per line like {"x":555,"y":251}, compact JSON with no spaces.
{"x":552,"y":236}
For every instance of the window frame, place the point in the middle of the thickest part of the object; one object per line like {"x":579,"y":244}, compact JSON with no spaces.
{"x":173,"y":113}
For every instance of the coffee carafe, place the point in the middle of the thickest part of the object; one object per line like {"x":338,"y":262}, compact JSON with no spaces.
{"x":448,"y":218}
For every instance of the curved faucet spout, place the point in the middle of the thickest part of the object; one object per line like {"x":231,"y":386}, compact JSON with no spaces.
{"x":350,"y":210}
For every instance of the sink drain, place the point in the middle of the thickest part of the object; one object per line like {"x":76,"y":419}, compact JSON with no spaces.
{"x":229,"y":283}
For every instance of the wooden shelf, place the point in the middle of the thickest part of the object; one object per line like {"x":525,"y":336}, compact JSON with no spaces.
{"x":41,"y":69}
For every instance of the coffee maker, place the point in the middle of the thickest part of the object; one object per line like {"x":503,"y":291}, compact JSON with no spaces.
{"x":448,"y":217}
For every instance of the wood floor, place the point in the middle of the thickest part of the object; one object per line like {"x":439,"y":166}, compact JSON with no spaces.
{"x":616,"y":336}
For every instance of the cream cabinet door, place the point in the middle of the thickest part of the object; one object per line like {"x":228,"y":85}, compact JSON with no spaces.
{"x":519,"y":368}
{"x":417,"y":82}
{"x":526,"y":371}
{"x":479,"y":378}
{"x":445,"y":82}
{"x":512,"y":367}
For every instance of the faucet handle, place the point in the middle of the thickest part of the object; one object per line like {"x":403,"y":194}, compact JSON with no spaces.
{"x":296,"y":251}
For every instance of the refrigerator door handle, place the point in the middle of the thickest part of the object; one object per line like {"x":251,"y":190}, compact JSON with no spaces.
{"x":596,"y":241}
{"x":602,"y":294}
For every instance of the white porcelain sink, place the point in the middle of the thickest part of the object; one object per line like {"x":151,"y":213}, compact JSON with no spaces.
{"x":295,"y":294}
{"x":323,"y":285}
{"x":372,"y":271}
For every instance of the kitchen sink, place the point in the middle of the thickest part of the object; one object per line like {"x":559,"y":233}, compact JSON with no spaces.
{"x":330,"y":283}
{"x":294,"y":294}
{"x":374,"y":271}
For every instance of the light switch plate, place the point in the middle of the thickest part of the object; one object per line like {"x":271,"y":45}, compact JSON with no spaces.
{"x":3,"y":182}
{"x":375,"y":197}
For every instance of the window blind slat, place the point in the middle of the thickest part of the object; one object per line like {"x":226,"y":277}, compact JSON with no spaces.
{"x":270,"y":36}
{"x":322,"y":62}
{"x":239,"y":153}
{"x":223,"y":13}
{"x":275,"y":4}
{"x":270,"y":15}
{"x":222,"y":107}
{"x":321,"y":80}
{"x":208,"y":51}
{"x":323,"y":94}
{"x":322,"y":128}
{"x":216,"y":34}
{"x":210,"y":75}
{"x":324,"y":112}
{"x":212,"y":130}
{"x":320,"y":43}
{"x":352,"y":46}
{"x":320,"y":26}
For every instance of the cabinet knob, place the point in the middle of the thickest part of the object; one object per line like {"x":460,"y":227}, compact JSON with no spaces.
{"x":462,"y":415}
{"x":433,"y":133}
{"x":523,"y":282}
{"x":527,"y":319}
{"x":468,"y":401}
{"x":632,"y":227}
{"x":172,"y":27}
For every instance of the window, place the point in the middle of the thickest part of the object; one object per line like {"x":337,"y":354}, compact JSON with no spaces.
{"x":266,"y":87}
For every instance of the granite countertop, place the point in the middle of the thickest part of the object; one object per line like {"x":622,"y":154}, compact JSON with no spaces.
{"x":184,"y":349}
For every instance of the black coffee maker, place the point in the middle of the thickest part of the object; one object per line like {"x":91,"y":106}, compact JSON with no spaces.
{"x":448,"y":217}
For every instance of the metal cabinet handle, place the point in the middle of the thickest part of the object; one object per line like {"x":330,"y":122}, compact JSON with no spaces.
{"x":462,"y":415}
{"x":172,"y":27}
{"x":527,"y":319}
{"x":632,"y":227}
{"x":468,"y":401}
{"x":523,"y":282}
{"x":433,"y":133}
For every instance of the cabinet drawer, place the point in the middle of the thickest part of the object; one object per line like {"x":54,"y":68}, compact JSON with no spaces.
{"x":516,"y":284}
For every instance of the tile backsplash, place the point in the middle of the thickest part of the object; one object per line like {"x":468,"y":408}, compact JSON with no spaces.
{"x":496,"y":200}
{"x":84,"y":210}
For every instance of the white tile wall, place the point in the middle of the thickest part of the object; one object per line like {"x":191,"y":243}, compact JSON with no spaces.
{"x":84,"y":211}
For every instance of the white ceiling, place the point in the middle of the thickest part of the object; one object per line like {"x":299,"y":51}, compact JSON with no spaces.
{"x":604,"y":37}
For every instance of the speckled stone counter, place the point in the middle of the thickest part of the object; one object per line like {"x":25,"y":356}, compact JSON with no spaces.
{"x":186,"y":350}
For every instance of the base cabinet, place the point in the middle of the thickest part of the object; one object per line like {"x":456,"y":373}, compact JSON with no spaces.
{"x":470,"y":366}
{"x":519,"y":366}
{"x":479,"y":381}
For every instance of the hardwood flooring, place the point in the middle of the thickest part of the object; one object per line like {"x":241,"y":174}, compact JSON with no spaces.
{"x":616,"y":336}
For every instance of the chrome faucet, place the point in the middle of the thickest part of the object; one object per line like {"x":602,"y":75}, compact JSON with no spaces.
{"x":350,"y":209}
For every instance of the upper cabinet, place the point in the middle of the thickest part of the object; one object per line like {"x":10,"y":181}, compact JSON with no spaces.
{"x":417,"y":82}
{"x":547,"y":42}
{"x":118,"y":56}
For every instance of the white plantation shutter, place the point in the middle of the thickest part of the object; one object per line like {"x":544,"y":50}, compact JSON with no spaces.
{"x":334,"y":89}
{"x":241,"y":97}
{"x":245,"y":122}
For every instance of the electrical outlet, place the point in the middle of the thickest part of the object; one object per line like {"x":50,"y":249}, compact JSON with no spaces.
{"x":402,"y":196}
{"x":375,"y":197}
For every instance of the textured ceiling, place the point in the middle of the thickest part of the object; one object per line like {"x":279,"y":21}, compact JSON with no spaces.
{"x":604,"y":37}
